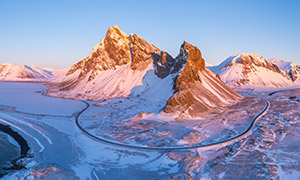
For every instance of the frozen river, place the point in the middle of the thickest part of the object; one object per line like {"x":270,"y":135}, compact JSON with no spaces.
{"x":59,"y":149}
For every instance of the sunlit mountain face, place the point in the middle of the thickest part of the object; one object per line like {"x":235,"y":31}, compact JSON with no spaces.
{"x":130,"y":110}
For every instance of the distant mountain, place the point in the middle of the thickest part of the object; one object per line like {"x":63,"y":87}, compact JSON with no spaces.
{"x":128,"y":66}
{"x":240,"y":70}
{"x":291,"y":68}
{"x":9,"y":72}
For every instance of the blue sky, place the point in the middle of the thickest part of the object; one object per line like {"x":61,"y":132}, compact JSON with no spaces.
{"x":59,"y":33}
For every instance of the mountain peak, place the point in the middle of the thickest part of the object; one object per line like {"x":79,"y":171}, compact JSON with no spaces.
{"x":115,"y":32}
{"x":194,"y":55}
{"x":112,"y":51}
{"x":194,"y":84}
{"x":128,"y":66}
{"x":194,"y":63}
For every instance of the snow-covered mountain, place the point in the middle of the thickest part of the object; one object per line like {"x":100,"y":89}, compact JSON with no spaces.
{"x":9,"y":72}
{"x":240,"y":70}
{"x":128,"y":66}
{"x":291,"y":68}
{"x":115,"y":65}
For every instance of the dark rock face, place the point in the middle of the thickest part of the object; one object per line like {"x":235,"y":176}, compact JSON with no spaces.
{"x":164,"y":64}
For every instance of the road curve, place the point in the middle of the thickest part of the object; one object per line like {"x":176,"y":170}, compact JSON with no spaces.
{"x":244,"y":134}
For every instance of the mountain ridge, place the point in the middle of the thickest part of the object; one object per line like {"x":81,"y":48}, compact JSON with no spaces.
{"x":132,"y":71}
{"x":10,"y":72}
{"x":252,"y":70}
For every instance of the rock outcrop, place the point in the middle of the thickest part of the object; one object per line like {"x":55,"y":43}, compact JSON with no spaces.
{"x":165,"y":64}
{"x":194,"y":64}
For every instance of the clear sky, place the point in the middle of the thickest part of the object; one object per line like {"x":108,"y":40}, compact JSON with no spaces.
{"x":59,"y":33}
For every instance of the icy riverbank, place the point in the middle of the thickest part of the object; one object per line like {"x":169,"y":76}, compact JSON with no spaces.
{"x":61,"y":150}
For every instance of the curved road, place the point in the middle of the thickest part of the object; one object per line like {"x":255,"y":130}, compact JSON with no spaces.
{"x":247,"y":132}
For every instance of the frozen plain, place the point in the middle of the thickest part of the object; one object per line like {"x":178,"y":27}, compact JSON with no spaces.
{"x":60,"y":150}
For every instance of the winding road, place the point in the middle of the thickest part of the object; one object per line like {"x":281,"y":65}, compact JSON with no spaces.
{"x":244,"y":134}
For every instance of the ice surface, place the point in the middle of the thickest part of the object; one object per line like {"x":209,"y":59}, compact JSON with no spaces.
{"x":27,"y":97}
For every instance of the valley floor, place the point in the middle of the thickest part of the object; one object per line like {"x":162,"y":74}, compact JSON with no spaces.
{"x":60,"y":150}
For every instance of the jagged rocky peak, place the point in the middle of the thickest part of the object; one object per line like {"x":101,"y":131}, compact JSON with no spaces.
{"x":141,"y":52}
{"x":197,"y":89}
{"x":193,"y":55}
{"x":114,"y":67}
{"x":194,"y":63}
{"x":189,"y":55}
{"x":116,"y":45}
{"x":111,"y":51}
{"x":116,"y":49}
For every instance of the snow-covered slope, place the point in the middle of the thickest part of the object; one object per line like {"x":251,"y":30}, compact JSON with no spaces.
{"x":240,"y":70}
{"x":114,"y":67}
{"x":128,"y":66}
{"x":291,"y":68}
{"x":9,"y":72}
